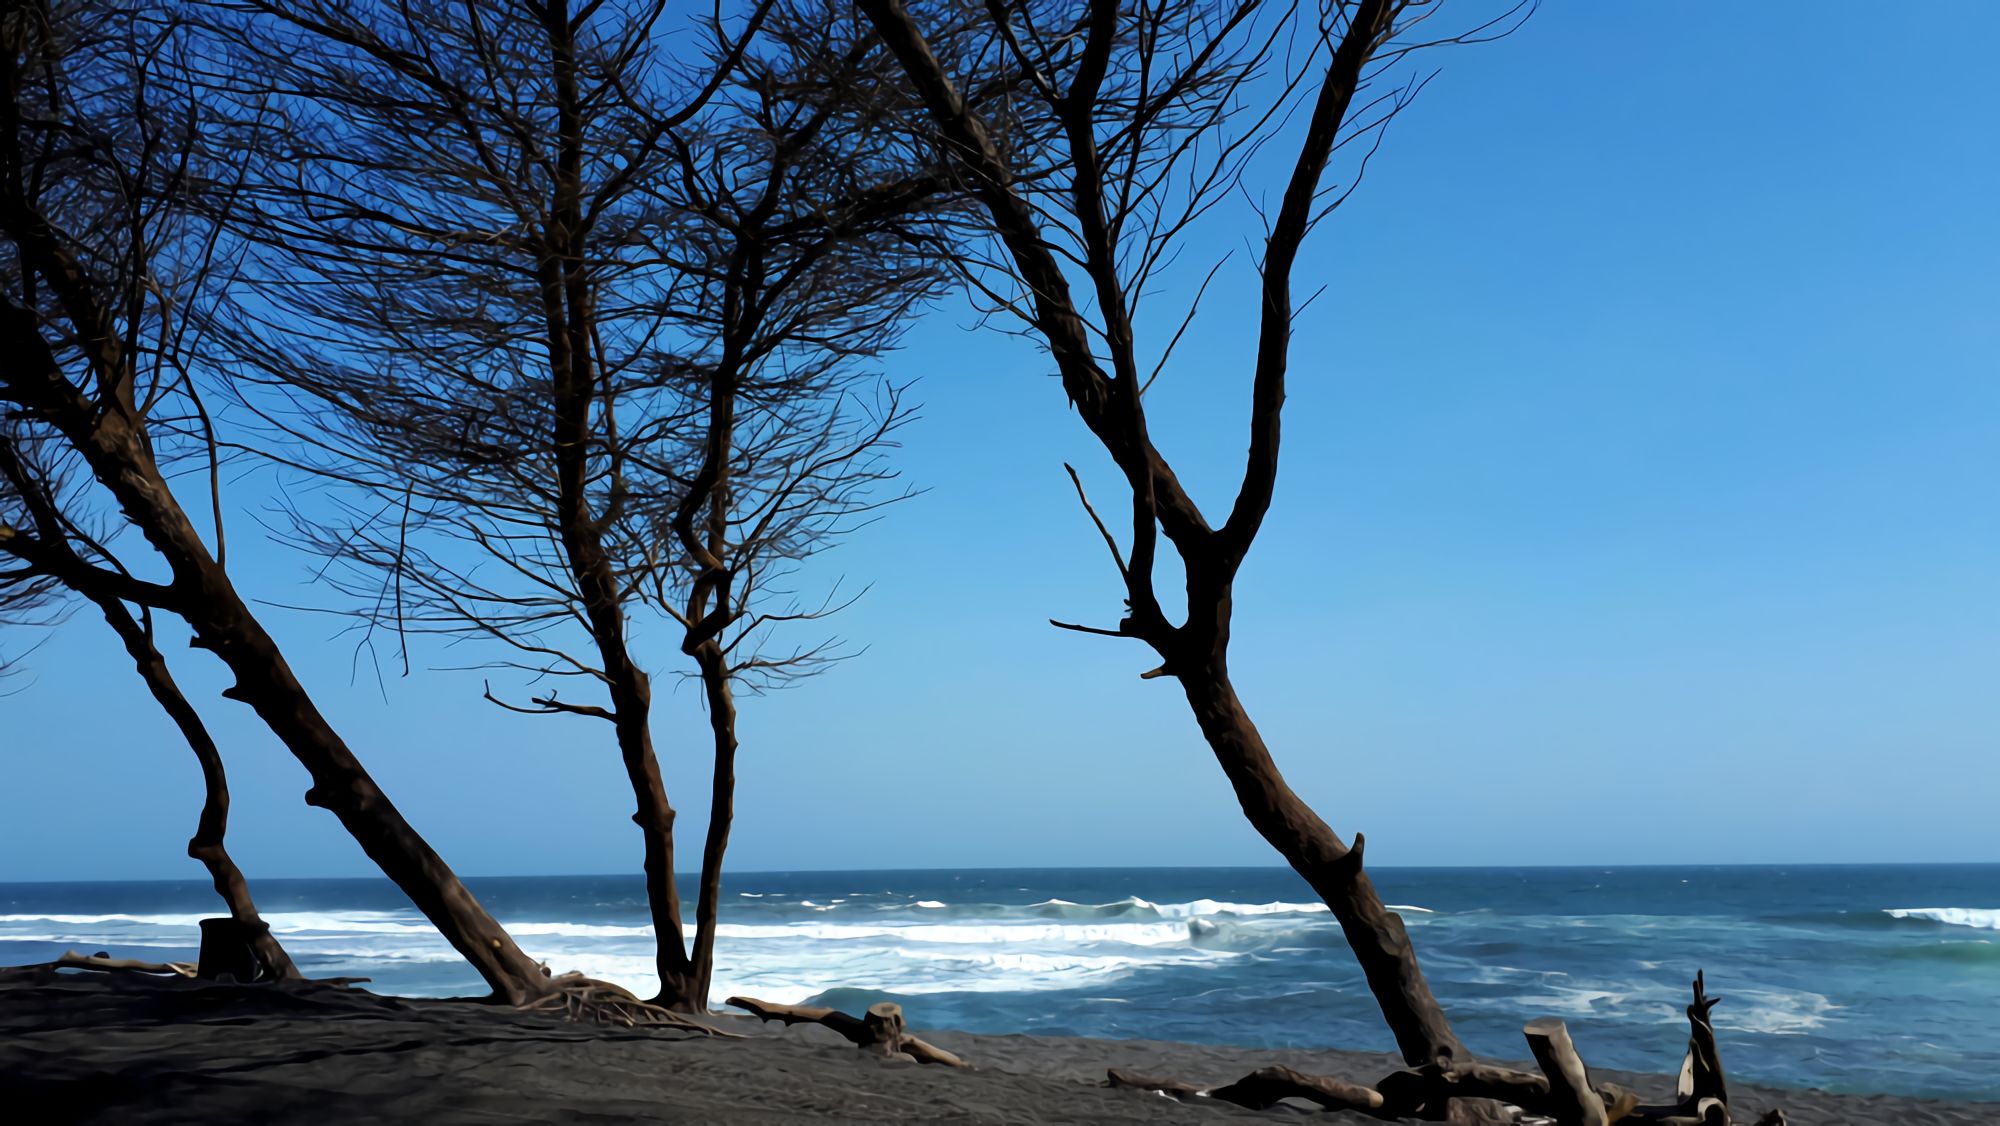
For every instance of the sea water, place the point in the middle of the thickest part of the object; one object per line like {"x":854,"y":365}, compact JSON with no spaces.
{"x":1846,"y":978}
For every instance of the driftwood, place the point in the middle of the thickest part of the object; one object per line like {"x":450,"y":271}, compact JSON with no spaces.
{"x":1404,"y":1094}
{"x":1573,"y":1101}
{"x":1172,"y":1088}
{"x":880,"y":1030}
{"x":1471,"y":1093}
{"x":71,"y":960}
{"x":1701,"y":1093}
{"x":1267,"y":1086}
{"x":1701,"y":1070}
{"x":1260,"y":1090}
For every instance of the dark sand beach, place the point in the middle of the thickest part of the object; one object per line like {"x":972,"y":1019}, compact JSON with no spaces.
{"x":88,"y":1049}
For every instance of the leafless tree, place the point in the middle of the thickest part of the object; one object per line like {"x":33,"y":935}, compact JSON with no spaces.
{"x":54,"y":553}
{"x":576,"y":335}
{"x":1162,"y":111}
{"x":108,"y":265}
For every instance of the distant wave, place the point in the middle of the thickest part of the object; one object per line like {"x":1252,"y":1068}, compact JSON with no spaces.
{"x":579,"y":930}
{"x":1132,"y":907}
{"x":1983,"y":918}
{"x":1200,"y":907}
{"x":1193,"y":909}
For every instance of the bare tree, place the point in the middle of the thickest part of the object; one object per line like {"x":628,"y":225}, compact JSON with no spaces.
{"x":804,"y":233}
{"x":49,"y":548}
{"x":577,"y":336}
{"x":107,"y":265}
{"x":1161,"y":110}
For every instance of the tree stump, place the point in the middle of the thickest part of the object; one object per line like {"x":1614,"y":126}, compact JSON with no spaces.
{"x":229,"y":952}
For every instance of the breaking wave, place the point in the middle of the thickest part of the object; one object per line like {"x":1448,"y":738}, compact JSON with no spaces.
{"x":1982,"y":918}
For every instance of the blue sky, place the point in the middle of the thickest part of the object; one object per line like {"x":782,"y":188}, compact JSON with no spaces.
{"x":1639,"y":506}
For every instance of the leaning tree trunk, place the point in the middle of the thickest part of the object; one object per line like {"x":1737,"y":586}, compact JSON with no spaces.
{"x":1316,"y":852}
{"x":112,"y":441}
{"x":207,"y":844}
{"x":343,"y":787}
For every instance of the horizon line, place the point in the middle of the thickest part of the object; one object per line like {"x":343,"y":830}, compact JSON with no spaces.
{"x":1078,"y":868}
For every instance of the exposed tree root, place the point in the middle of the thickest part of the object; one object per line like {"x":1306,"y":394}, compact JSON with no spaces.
{"x":578,"y":998}
{"x":1469,"y":1093}
{"x":880,"y":1030}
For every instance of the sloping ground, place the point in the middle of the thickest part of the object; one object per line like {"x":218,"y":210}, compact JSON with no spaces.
{"x":139,"y":1051}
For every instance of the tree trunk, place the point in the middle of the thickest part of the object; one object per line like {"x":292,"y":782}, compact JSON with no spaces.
{"x":343,"y":787}
{"x":1311,"y":847}
{"x":721,"y":699}
{"x":207,"y":844}
{"x":632,"y":699}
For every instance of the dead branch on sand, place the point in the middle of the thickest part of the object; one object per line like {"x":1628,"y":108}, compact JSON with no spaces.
{"x":71,"y":960}
{"x":1474,"y":1093}
{"x":880,"y":1030}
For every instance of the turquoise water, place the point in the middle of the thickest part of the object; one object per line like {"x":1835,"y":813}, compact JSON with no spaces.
{"x":1847,"y":978}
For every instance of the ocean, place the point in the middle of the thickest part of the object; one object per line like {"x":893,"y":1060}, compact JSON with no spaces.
{"x":1851,"y":979}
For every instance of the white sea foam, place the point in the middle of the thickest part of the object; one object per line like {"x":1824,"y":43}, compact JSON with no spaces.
{"x":1774,"y":1012}
{"x":1054,"y":945}
{"x":1199,"y":907}
{"x":98,"y":920}
{"x":972,"y":934}
{"x":347,"y":922}
{"x":1193,"y":909}
{"x":283,"y":922}
{"x":578,"y":930}
{"x":440,"y":954}
{"x":1983,"y":918}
